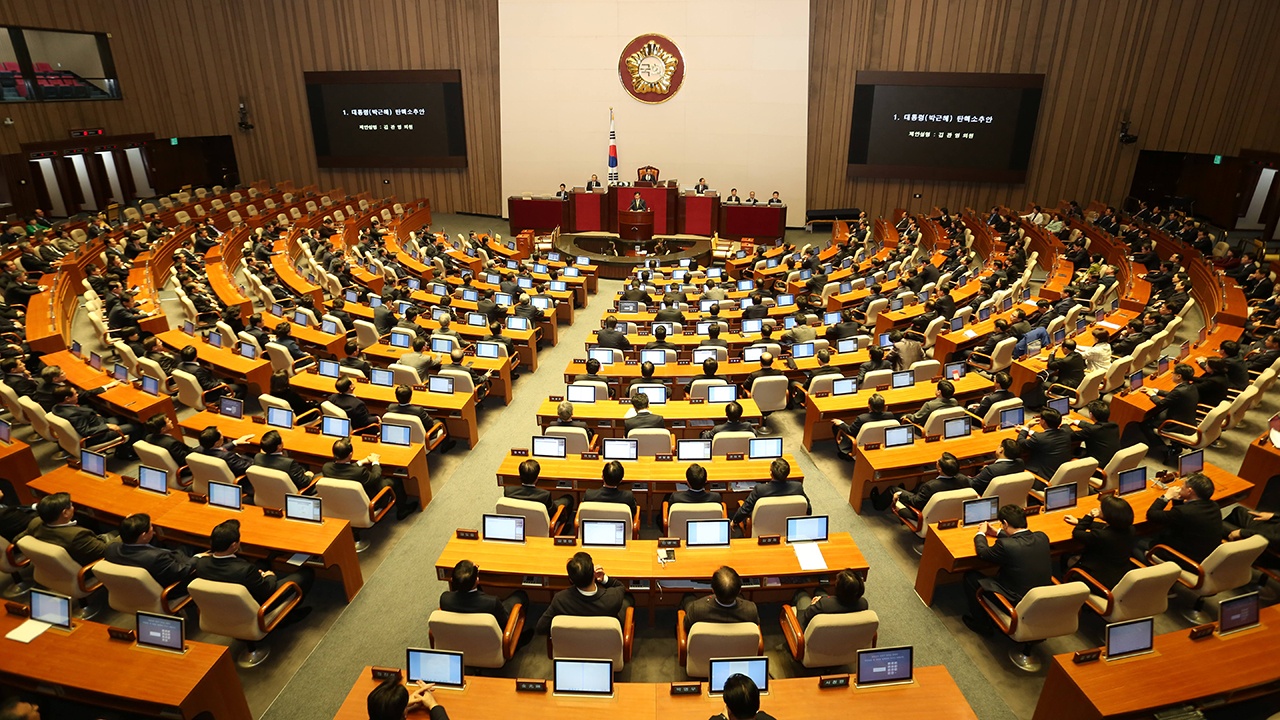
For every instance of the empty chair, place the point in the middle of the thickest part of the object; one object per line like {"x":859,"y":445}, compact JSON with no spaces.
{"x":652,"y":441}
{"x":945,"y":505}
{"x":1142,"y":592}
{"x":54,"y":569}
{"x":130,"y":589}
{"x":1126,"y":458}
{"x":1012,"y":489}
{"x":675,"y":518}
{"x":347,"y":500}
{"x":610,"y":511}
{"x":926,"y":370}
{"x":404,"y":375}
{"x":157,"y":457}
{"x":732,"y":442}
{"x":830,"y":639}
{"x":770,"y":394}
{"x":577,"y":440}
{"x":366,"y":333}
{"x":1240,"y":405}
{"x":271,"y":485}
{"x":1072,"y":472}
{"x":228,"y":609}
{"x":769,"y":516}
{"x":476,"y":635}
{"x":1228,"y":567}
{"x":707,"y":640}
{"x":9,"y":399}
{"x":876,"y":379}
{"x":1117,"y":374}
{"x":537,"y":523}
{"x":1044,"y":612}
{"x":594,"y":638}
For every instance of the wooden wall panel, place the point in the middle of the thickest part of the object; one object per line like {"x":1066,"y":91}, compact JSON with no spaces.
{"x":1192,"y":75}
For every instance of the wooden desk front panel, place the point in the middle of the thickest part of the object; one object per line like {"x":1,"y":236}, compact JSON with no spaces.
{"x":607,"y":418}
{"x":819,"y":412}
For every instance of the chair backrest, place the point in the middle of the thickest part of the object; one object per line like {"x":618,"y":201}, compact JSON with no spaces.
{"x":127,"y":358}
{"x":577,"y":440}
{"x":680,"y":514}
{"x":938,"y":418}
{"x":345,"y":500}
{"x":926,"y":370}
{"x":835,"y":638}
{"x":537,"y":523}
{"x":770,"y":393}
{"x":1002,"y":355}
{"x":404,"y":375}
{"x":709,"y":640}
{"x":417,"y":433}
{"x":189,"y":391}
{"x":328,"y":409}
{"x":823,"y":383}
{"x":873,"y":432}
{"x":129,"y":588}
{"x":945,"y":505}
{"x":1126,"y":458}
{"x":593,"y":638}
{"x":342,"y":328}
{"x":39,"y":419}
{"x":1012,"y":489}
{"x":1142,"y":592}
{"x":698,"y":390}
{"x":1075,"y":472}
{"x":271,"y":401}
{"x":226,"y":609}
{"x":158,"y":457}
{"x":1229,"y":566}
{"x":206,"y":468}
{"x":54,"y":568}
{"x":1049,"y":611}
{"x":280,"y":357}
{"x":993,"y":413}
{"x":876,"y":378}
{"x":874,"y":309}
{"x":732,"y":442}
{"x":769,"y":516}
{"x":475,"y":635}
{"x":366,"y":333}
{"x":462,"y":381}
{"x":602,"y":389}
{"x":1118,"y":373}
{"x":1090,"y":388}
{"x":606,"y":511}
{"x":65,"y":433}
{"x":270,"y":486}
{"x":651,"y":441}
{"x":9,"y":398}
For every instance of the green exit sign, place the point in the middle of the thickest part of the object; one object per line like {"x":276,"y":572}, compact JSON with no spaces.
{"x":174,"y":141}
{"x":1217,"y":159}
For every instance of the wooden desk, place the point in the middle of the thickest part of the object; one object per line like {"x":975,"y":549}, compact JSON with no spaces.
{"x":819,"y":412}
{"x":328,"y":345}
{"x":225,"y":362}
{"x":20,"y":468}
{"x":457,"y":410}
{"x":1208,"y":672}
{"x":683,"y":418}
{"x":933,"y":696}
{"x":950,"y":552}
{"x":526,"y":341}
{"x":1260,"y":466}
{"x":187,"y":522}
{"x":86,"y":666}
{"x":124,"y":399}
{"x":884,"y":467}
{"x":315,"y":450}
{"x":383,"y":355}
{"x":537,"y":566}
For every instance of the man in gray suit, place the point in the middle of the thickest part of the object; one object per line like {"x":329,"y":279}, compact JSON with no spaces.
{"x":418,"y":360}
{"x":943,"y":398}
{"x":57,"y":525}
{"x":643,"y":418}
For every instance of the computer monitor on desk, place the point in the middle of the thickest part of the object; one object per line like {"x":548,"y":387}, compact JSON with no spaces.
{"x":153,"y":479}
{"x":580,"y":393}
{"x":885,"y":666}
{"x":1238,"y":613}
{"x":693,"y":450}
{"x":1132,"y":481}
{"x":899,"y":436}
{"x":51,"y":608}
{"x":807,"y":528}
{"x":604,"y":533}
{"x":549,"y":446}
{"x":225,"y":495}
{"x":161,"y":632}
{"x":442,"y":668}
{"x":1189,"y":463}
{"x":6,"y":432}
{"x":722,"y":393}
{"x":764,"y":448}
{"x":980,"y":510}
{"x":583,"y":677}
{"x":956,"y":428}
{"x":503,"y":528}
{"x":1133,"y":637}
{"x":721,"y":669}
{"x":303,"y":508}
{"x":279,"y":417}
{"x":1060,"y":497}
{"x":93,"y":463}
{"x":398,"y":435}
{"x":620,"y":449}
{"x":707,"y":533}
{"x":1011,"y":417}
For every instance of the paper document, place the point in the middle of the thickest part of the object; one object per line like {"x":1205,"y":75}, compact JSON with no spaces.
{"x":970,"y":334}
{"x":28,"y":631}
{"x":810,"y":556}
{"x":298,"y":559}
{"x":1109,"y":325}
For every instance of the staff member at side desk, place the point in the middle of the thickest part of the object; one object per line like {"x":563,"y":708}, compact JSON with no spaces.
{"x":1023,"y":558}
{"x":593,"y":183}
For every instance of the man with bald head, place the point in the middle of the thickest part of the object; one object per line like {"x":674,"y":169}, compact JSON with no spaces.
{"x":766,"y":370}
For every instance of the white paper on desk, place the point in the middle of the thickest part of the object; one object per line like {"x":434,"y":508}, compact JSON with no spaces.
{"x":810,"y":556}
{"x":28,"y":631}
{"x":970,"y":334}
{"x":298,"y":559}
{"x":1109,"y":325}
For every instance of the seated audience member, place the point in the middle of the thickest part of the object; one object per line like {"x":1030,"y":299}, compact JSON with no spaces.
{"x":221,"y":564}
{"x":643,"y":418}
{"x":1108,"y":545}
{"x":646,"y":378}
{"x":710,"y":368}
{"x":214,"y":445}
{"x":404,"y":406}
{"x":594,"y":594}
{"x":206,"y":379}
{"x":465,"y":596}
{"x":593,"y":375}
{"x":1008,"y":462}
{"x":1024,"y":560}
{"x":779,"y":485}
{"x":92,"y":428}
{"x":695,"y":476}
{"x":877,"y":362}
{"x":1047,"y":449}
{"x":741,"y":700}
{"x":157,"y":429}
{"x":1179,"y":404}
{"x":724,"y":605}
{"x":1100,"y":438}
{"x":1186,"y":519}
{"x":1000,"y":394}
{"x":766,"y":370}
{"x":167,"y":567}
{"x":1242,"y":523}
{"x":733,"y":421}
{"x":847,"y":598}
{"x":392,"y":701}
{"x":355,"y":359}
{"x":847,"y":433}
{"x":1213,"y":386}
{"x":368,"y":473}
{"x":1067,"y":370}
{"x":824,"y":369}
{"x":345,"y":398}
{"x":56,"y":524}
{"x":564,"y":418}
{"x":944,"y":397}
{"x":301,"y":406}
{"x":949,"y":478}
{"x":612,"y":475}
{"x":272,"y":456}
{"x":528,"y":490}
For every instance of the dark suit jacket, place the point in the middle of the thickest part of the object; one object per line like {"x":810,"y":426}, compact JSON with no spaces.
{"x":608,"y":601}
{"x":80,"y":543}
{"x":203,"y":375}
{"x":237,"y":462}
{"x":990,"y":399}
{"x":644,"y":420}
{"x":994,"y":470}
{"x":355,"y":409}
{"x":692,"y":496}
{"x":740,"y":426}
{"x":177,"y":449}
{"x":1106,"y":550}
{"x":233,"y":569}
{"x":1046,"y":450}
{"x":1178,"y":403}
{"x":1024,"y":561}
{"x":474,"y":601}
{"x":369,"y":478}
{"x":87,"y":422}
{"x":532,"y":494}
{"x":1101,"y":440}
{"x":612,"y":339}
{"x":611,"y":495}
{"x":383,"y":319}
{"x":929,"y":488}
{"x":708,"y":609}
{"x":827,"y":604}
{"x":1192,"y":528}
{"x":1211,"y":388}
{"x":1069,"y":369}
{"x":165,"y":566}
{"x":772,"y":488}
{"x":294,"y":469}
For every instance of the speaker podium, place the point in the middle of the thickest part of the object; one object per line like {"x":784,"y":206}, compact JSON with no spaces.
{"x":635,"y":225}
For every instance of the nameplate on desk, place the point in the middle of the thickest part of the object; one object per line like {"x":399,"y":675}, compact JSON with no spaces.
{"x":17,"y":609}
{"x":822,"y":394}
{"x":1086,"y":656}
{"x":312,"y":429}
{"x":871,"y":446}
{"x":734,"y":456}
{"x":684,"y":362}
{"x":1202,"y":631}
{"x":129,"y":480}
{"x":468,"y":534}
{"x":384,"y":341}
{"x":385,"y":673}
{"x":769,"y":540}
{"x":556,"y":398}
{"x":1034,"y":510}
{"x":313,"y":370}
{"x":833,"y":681}
{"x":272,"y":512}
{"x":257,"y":420}
{"x":590,"y":456}
{"x":528,"y":685}
{"x":362,"y":381}
{"x":565,"y":540}
{"x":686,"y":688}
{"x":668,"y":542}
{"x":990,"y":428}
{"x":579,"y":361}
{"x":631,"y":362}
{"x":642,"y":331}
{"x":419,"y":388}
{"x":932,"y":438}
{"x":948,"y":524}
{"x":119,"y":633}
{"x":734,"y":361}
{"x":882,"y":388}
{"x":697,"y":401}
{"x":197,"y":498}
{"x":519,"y":452}
{"x":690,"y":333}
{"x":663,"y":457}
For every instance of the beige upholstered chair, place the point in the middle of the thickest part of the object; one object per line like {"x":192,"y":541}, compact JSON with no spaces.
{"x":675,"y":518}
{"x":1044,"y":612}
{"x":732,"y":442}
{"x":992,"y":418}
{"x":476,"y":635}
{"x":937,"y":420}
{"x":593,"y":638}
{"x":945,"y":505}
{"x":54,"y":569}
{"x":1012,"y":489}
{"x":417,"y":434}
{"x":652,"y":441}
{"x":12,"y":564}
{"x":536,"y":521}
{"x":576,"y":440}
{"x":610,"y":511}
{"x":769,"y":516}
{"x":999,"y":359}
{"x":130,"y":589}
{"x":206,"y":468}
{"x":707,"y":640}
{"x":1126,"y":458}
{"x":157,"y":457}
{"x":770,"y":394}
{"x":38,"y":418}
{"x":71,"y":442}
{"x":347,"y":500}
{"x":228,"y":609}
{"x":271,"y":485}
{"x":1071,"y":472}
{"x":830,"y":639}
{"x":1200,"y":436}
{"x":1142,"y":592}
{"x":1228,"y":567}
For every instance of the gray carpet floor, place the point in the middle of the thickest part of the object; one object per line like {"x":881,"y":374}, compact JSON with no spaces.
{"x":314,"y":664}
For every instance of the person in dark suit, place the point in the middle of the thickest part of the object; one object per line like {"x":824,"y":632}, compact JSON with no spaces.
{"x":643,"y":418}
{"x":272,"y":456}
{"x":847,"y":433}
{"x":848,"y":598}
{"x":125,"y":315}
{"x":212,"y":387}
{"x":612,"y":475}
{"x":593,"y":183}
{"x":368,"y":473}
{"x":157,"y":430}
{"x":638,"y":204}
{"x":779,"y":485}
{"x":1213,"y":385}
{"x":1101,"y":438}
{"x":594,"y":594}
{"x":1188,"y":519}
{"x":221,"y":564}
{"x":702,"y":186}
{"x":562,"y":193}
{"x":1047,"y":449}
{"x":659,"y":341}
{"x":1008,"y":461}
{"x":903,"y":501}
{"x":775,"y":199}
{"x":877,"y":361}
{"x":741,"y":700}
{"x":14,"y":519}
{"x":56,"y":524}
{"x":91,"y":426}
{"x":167,"y":567}
{"x":695,"y":476}
{"x":18,"y":377}
{"x":1023,"y":558}
{"x":353,"y":406}
{"x":529,"y":490}
{"x":1108,"y":545}
{"x":284,"y":337}
{"x":733,"y":196}
{"x":1001,"y":393}
{"x":732,"y":421}
{"x":766,"y":370}
{"x":392,"y":701}
{"x":610,"y":337}
{"x":465,"y":596}
{"x":592,"y":374}
{"x":724,"y":605}
{"x":944,"y":397}
{"x":669,"y":312}
{"x":710,"y":371}
{"x":1263,"y":358}
{"x":404,"y":406}
{"x":383,"y":317}
{"x":213,"y":445}
{"x":1067,"y":370}
{"x":1178,"y":404}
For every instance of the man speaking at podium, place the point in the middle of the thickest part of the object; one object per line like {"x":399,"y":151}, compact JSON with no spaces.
{"x":638,"y":204}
